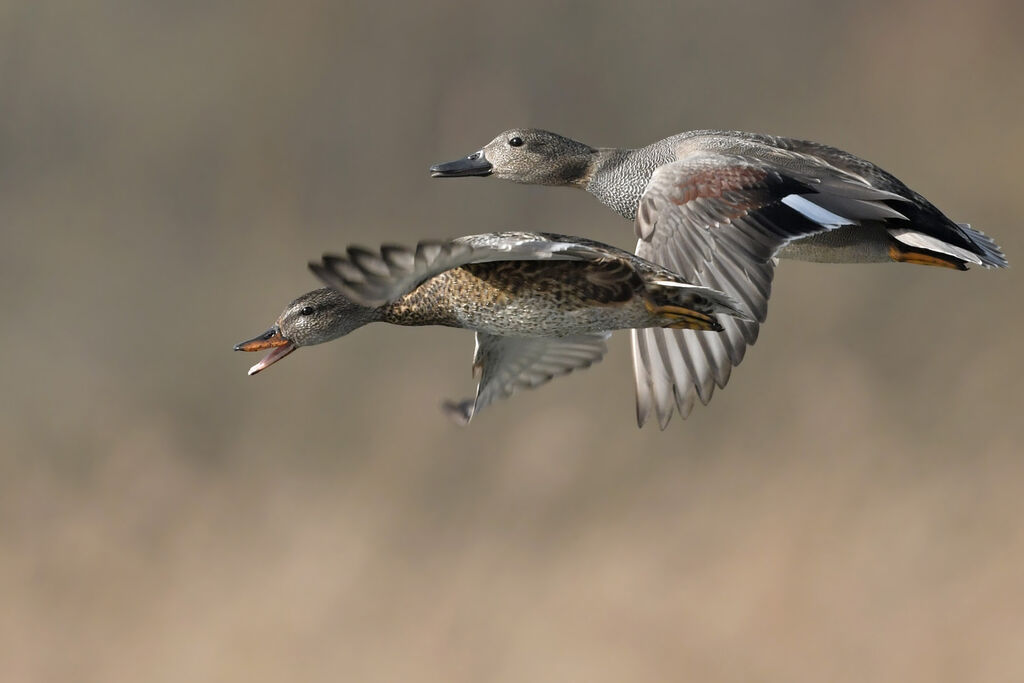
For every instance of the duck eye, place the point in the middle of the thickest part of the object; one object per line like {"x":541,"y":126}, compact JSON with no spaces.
{"x":516,"y":142}
{"x":306,"y":310}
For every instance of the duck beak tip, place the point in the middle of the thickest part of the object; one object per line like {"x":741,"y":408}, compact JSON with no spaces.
{"x":475,"y":164}
{"x":271,"y":339}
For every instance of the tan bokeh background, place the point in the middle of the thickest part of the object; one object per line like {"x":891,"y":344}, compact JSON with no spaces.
{"x":849,"y":509}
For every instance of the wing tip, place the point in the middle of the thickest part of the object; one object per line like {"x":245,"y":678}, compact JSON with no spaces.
{"x":459,"y":412}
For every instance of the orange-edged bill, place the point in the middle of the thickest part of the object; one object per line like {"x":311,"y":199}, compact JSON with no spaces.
{"x":271,"y":339}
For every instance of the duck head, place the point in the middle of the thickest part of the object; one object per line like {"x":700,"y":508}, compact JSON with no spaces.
{"x":314,"y":318}
{"x":526,"y":155}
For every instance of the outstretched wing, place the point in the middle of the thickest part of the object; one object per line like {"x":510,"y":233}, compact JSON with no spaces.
{"x":507,"y":364}
{"x":718,"y":219}
{"x":374,"y":278}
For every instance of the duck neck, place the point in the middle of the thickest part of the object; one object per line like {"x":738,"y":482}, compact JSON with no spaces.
{"x":428,"y":304}
{"x":619,"y":176}
{"x":574,"y":169}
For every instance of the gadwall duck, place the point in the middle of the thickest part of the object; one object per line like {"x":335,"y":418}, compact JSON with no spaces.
{"x":541,"y":305}
{"x":719,"y":207}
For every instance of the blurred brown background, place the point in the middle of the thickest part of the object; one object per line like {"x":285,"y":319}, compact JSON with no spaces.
{"x":849,"y":509}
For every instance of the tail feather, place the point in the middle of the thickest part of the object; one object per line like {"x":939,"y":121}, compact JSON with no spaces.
{"x":990,"y":253}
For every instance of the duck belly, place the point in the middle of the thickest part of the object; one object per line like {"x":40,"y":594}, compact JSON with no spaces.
{"x":532,"y":315}
{"x":847,"y":244}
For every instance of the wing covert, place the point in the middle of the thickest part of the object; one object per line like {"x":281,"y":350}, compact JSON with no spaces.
{"x":716,"y":219}
{"x":507,"y":364}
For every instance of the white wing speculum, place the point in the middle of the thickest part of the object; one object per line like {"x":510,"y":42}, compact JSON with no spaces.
{"x":816,"y":213}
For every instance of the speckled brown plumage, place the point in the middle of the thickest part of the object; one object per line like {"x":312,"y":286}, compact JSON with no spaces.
{"x":521,"y":284}
{"x":542,"y":305}
{"x":542,"y":298}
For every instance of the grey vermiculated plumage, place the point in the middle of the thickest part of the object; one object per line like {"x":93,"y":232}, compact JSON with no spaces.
{"x":720,"y":207}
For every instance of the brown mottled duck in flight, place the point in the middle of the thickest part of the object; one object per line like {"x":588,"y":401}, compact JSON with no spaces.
{"x":541,"y":305}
